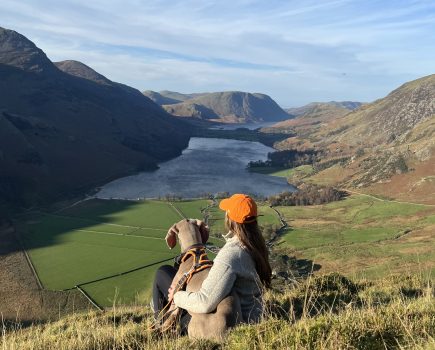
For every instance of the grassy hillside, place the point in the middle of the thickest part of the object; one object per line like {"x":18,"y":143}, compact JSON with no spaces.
{"x":385,"y":147}
{"x":384,"y":297}
{"x":330,"y":312}
{"x":363,"y":236}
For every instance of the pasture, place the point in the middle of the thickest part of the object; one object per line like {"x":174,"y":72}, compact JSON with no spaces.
{"x":362,"y":236}
{"x":111,"y":248}
{"x":97,"y":239}
{"x":300,"y":171}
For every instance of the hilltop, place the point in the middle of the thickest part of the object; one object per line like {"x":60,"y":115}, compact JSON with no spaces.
{"x":315,"y":114}
{"x":229,"y":107}
{"x":65,"y":128}
{"x":167,"y":97}
{"x":314,"y":109}
{"x":384,"y":147}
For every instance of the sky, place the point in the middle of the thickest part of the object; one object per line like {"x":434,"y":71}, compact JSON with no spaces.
{"x":295,"y":51}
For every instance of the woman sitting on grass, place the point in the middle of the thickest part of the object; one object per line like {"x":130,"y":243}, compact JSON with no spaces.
{"x":241,"y":267}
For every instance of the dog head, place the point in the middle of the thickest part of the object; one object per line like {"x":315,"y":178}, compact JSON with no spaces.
{"x":189,"y":232}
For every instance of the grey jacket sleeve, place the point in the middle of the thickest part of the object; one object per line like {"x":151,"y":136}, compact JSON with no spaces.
{"x":215,"y":287}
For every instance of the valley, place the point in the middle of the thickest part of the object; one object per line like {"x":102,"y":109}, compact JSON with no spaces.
{"x":94,"y":172}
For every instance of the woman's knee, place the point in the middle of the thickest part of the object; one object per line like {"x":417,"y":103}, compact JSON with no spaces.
{"x":164,"y":275}
{"x":166,"y":270}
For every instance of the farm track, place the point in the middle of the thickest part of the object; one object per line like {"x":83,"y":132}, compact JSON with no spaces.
{"x":386,"y":200}
{"x":119,"y":234}
{"x":177,"y":210}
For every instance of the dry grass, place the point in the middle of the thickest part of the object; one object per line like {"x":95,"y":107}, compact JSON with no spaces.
{"x":329,"y":312}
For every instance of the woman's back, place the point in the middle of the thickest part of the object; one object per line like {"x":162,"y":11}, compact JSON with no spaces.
{"x":233,"y":272}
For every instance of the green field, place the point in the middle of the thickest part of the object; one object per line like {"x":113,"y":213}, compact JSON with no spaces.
{"x":300,"y":171}
{"x":92,"y":243}
{"x":363,"y":236}
{"x":100,"y":238}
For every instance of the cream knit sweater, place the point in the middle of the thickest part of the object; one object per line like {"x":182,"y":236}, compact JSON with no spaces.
{"x":233,"y":271}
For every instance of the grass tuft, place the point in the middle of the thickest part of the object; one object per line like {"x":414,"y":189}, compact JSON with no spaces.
{"x":329,"y":312}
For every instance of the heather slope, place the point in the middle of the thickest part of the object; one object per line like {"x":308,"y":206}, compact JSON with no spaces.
{"x":386,"y":146}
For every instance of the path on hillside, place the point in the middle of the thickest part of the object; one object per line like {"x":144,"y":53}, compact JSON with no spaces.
{"x":386,"y":200}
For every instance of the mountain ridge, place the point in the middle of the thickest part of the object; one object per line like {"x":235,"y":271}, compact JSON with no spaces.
{"x":386,"y":147}
{"x":166,"y":97}
{"x":66,"y":127}
{"x":310,"y":107}
{"x":230,"y":107}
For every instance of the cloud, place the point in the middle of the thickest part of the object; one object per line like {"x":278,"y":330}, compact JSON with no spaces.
{"x":295,"y":51}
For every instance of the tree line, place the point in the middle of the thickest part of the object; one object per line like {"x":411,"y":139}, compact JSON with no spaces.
{"x":308,"y":194}
{"x":287,"y":159}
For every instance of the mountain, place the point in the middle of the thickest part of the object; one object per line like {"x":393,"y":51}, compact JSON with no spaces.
{"x":314,"y":115}
{"x":167,"y":97}
{"x":81,"y":70}
{"x":393,"y":116}
{"x":230,"y":107}
{"x":387,"y":147}
{"x":320,"y":109}
{"x":65,"y":128}
{"x":159,"y":98}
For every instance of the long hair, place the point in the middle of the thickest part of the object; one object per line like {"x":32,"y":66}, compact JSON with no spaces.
{"x":250,"y":236}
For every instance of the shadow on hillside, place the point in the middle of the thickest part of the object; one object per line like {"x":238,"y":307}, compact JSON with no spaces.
{"x":288,"y":268}
{"x":21,"y":299}
{"x":38,"y":230}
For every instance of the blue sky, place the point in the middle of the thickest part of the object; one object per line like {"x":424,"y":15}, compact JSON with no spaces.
{"x":295,"y":51}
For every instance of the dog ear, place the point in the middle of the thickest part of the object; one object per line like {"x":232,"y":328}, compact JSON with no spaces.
{"x":202,"y":228}
{"x":171,"y":237}
{"x":205,"y":232}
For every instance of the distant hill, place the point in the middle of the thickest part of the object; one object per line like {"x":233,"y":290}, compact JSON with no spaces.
{"x":65,"y":127}
{"x":159,"y":98}
{"x":230,"y":107}
{"x":316,"y":108}
{"x":166,"y":97}
{"x":315,"y":114}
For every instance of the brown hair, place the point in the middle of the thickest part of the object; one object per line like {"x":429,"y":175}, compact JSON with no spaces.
{"x":250,"y":236}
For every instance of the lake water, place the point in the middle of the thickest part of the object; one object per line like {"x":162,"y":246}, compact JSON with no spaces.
{"x":206,"y":166}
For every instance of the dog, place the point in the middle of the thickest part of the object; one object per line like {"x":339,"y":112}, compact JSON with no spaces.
{"x":214,"y":325}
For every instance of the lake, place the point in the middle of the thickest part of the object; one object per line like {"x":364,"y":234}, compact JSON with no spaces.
{"x":207,"y":165}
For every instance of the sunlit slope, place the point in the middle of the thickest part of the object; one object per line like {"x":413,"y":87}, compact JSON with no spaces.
{"x":363,"y":236}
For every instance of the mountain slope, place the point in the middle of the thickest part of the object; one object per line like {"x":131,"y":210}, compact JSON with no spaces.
{"x":394,"y":115}
{"x":67,"y":128}
{"x":386,"y":147}
{"x":315,"y":108}
{"x":166,"y":97}
{"x":81,"y":70}
{"x":159,"y":98}
{"x":230,"y":106}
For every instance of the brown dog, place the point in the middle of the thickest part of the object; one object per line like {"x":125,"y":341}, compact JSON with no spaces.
{"x":216,"y":324}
